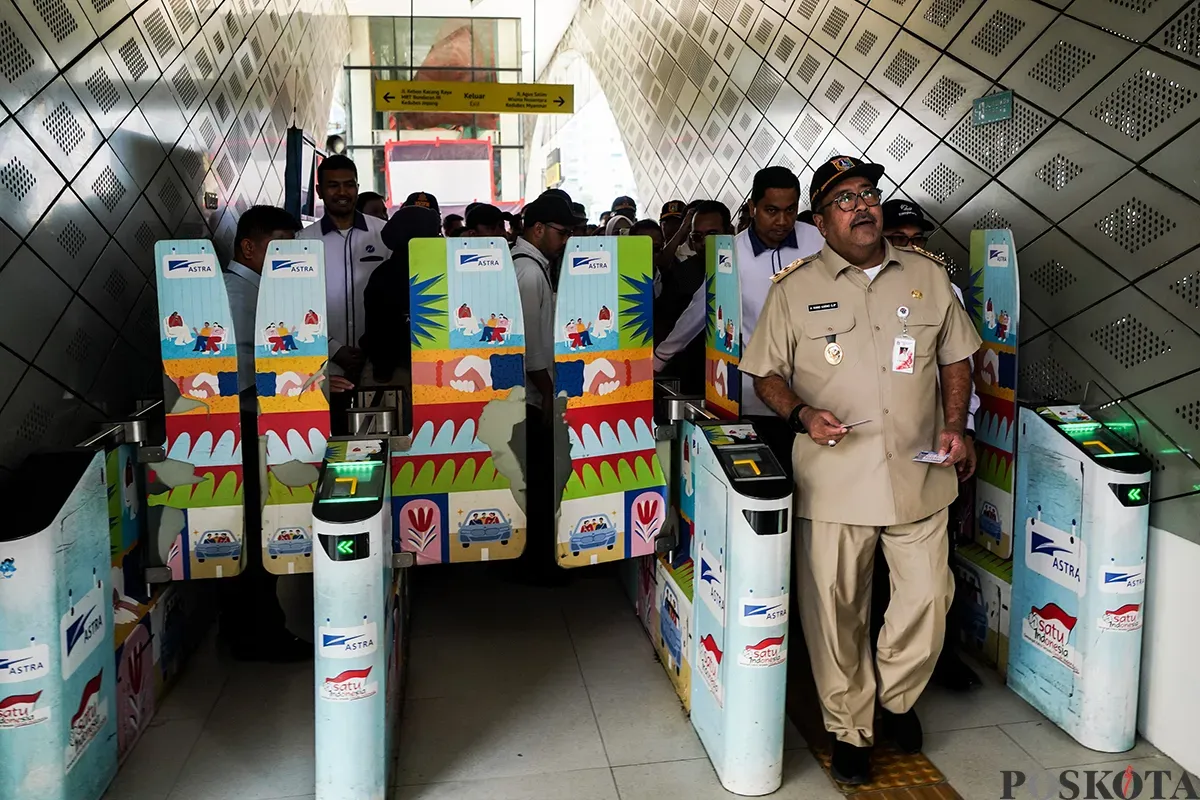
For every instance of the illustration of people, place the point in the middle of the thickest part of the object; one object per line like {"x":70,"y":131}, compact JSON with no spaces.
{"x":603,"y":323}
{"x":989,"y":315}
{"x":288,"y":338}
{"x":465,"y":321}
{"x":729,"y":336}
{"x":176,"y":329}
{"x":502,"y":325}
{"x":311,"y":327}
{"x":572,"y":331}
{"x":1002,"y":324}
{"x":488,"y":327}
{"x":585,"y":338}
{"x":202,"y":338}
{"x":272,"y":332}
{"x":216,"y":335}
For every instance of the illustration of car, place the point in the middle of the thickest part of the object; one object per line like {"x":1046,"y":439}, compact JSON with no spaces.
{"x":218,"y":544}
{"x":668,"y":628}
{"x":289,"y":542}
{"x":989,"y":521}
{"x":591,"y":532}
{"x":485,"y":525}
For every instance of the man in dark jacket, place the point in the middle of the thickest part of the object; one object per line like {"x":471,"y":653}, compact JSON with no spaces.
{"x":386,"y":300}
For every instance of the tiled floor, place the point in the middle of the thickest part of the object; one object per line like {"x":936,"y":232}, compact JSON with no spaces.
{"x":517,"y":693}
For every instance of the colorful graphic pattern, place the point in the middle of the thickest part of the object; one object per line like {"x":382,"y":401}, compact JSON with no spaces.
{"x":723,"y":381}
{"x":452,"y":493}
{"x":614,"y":502}
{"x":202,"y":474}
{"x":994,"y":303}
{"x":291,"y":353}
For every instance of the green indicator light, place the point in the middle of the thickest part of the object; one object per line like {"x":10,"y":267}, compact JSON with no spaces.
{"x":1135,"y":494}
{"x":345,"y":547}
{"x":1116,"y":455}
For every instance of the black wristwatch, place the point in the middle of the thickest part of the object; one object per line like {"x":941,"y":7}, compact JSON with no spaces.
{"x":794,"y":421}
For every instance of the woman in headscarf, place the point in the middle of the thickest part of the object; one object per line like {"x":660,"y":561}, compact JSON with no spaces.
{"x":386,"y":343}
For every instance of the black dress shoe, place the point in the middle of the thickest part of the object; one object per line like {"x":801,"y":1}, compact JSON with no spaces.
{"x":904,"y":730}
{"x":954,"y":674}
{"x":850,"y":765}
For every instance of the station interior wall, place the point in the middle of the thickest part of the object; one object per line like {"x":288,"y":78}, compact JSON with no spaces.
{"x":1095,"y":173}
{"x":123,"y":123}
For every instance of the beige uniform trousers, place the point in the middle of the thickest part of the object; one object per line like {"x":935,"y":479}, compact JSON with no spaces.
{"x":834,"y":568}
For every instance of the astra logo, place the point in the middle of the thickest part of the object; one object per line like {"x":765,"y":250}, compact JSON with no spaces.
{"x":184,"y":267}
{"x":1045,"y":545}
{"x":480,"y":261}
{"x":292,"y":268}
{"x":725,"y":262}
{"x":706,"y":573}
{"x":358,"y":640}
{"x":83,"y":628}
{"x":590,"y":263}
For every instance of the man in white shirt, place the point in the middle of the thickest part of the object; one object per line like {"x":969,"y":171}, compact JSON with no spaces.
{"x":547,"y":224}
{"x":773,"y":241}
{"x":353,"y":249}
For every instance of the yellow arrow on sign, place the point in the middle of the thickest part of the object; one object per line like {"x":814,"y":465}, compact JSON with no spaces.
{"x":475,"y":98}
{"x":352,"y":481}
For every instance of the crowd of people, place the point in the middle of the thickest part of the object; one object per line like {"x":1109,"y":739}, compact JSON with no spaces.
{"x":856,"y":370}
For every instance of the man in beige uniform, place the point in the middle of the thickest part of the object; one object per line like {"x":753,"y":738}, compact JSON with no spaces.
{"x":849,"y":349}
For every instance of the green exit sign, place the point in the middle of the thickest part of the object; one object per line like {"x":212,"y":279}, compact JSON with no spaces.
{"x":992,"y":108}
{"x":345,"y":547}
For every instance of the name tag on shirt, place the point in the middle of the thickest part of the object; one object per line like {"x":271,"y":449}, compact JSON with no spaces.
{"x":904,"y":351}
{"x":822,"y":306}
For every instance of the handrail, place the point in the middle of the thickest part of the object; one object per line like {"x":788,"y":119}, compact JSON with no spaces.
{"x":124,"y":431}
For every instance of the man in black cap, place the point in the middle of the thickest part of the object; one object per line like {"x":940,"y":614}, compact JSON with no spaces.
{"x":484,"y":219}
{"x":865,"y":351}
{"x":671,"y":218}
{"x":548,"y":223}
{"x":626,"y":207}
{"x":422,"y":200}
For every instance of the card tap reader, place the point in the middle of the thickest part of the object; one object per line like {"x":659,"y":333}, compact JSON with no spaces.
{"x":1079,"y":573}
{"x":741,"y":503}
{"x":352,"y":582}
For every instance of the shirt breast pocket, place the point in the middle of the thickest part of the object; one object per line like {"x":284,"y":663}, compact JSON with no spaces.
{"x":828,"y":342}
{"x":924,"y":328}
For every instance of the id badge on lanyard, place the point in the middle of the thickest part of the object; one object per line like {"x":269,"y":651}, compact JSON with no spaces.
{"x":904,"y":348}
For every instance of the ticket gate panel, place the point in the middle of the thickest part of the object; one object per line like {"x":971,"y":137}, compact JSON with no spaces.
{"x":1079,"y":575}
{"x":723,"y":343}
{"x":993,"y":302}
{"x":196,"y":493}
{"x":355,"y":607}
{"x":457,"y":490}
{"x":58,"y":733}
{"x":291,"y":354}
{"x":614,"y":502}
{"x":742,"y":547}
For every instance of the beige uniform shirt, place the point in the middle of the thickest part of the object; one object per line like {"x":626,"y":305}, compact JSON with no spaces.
{"x":870,"y":477}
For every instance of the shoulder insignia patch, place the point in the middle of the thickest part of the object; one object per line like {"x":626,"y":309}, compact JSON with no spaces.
{"x":792,"y":267}
{"x":931,"y":256}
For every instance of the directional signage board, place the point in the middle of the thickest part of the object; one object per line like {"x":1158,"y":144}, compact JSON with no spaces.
{"x":475,"y":98}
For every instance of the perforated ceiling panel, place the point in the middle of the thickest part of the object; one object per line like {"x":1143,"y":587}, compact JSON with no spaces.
{"x":108,"y":140}
{"x":1096,"y":172}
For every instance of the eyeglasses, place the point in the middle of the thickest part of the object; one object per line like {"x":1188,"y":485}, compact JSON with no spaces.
{"x":700,"y":236}
{"x":848,"y":201}
{"x":900,"y":240}
{"x":557,"y":228}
